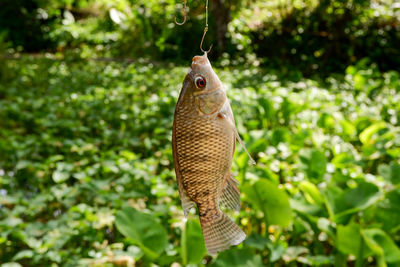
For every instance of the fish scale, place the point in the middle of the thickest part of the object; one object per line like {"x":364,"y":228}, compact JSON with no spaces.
{"x":203,"y":145}
{"x":205,"y":163}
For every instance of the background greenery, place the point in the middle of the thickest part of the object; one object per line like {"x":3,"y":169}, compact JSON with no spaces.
{"x":87,"y":94}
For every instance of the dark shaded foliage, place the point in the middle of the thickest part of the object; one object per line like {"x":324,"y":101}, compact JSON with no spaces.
{"x":330,"y":36}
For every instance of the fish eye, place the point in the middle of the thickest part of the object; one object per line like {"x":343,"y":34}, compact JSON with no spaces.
{"x":200,"y":82}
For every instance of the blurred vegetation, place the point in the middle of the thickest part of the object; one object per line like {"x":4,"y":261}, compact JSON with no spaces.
{"x":86,"y":172}
{"x":87,"y":94}
{"x":314,"y":36}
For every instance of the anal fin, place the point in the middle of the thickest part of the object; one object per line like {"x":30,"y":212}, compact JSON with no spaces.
{"x":230,"y":197}
{"x":187,"y":204}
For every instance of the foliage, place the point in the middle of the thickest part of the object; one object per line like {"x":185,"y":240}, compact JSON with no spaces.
{"x":320,"y":36}
{"x":313,"y":36}
{"x":86,"y":172}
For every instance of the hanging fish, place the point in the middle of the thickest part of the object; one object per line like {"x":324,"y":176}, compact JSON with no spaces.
{"x":203,"y":139}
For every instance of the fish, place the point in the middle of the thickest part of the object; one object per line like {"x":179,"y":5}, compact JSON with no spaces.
{"x":203,"y":142}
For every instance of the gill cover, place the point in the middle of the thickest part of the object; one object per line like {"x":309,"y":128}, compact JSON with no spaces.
{"x":209,"y":94}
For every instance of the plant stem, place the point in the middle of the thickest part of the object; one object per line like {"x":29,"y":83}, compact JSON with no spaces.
{"x":360,"y":256}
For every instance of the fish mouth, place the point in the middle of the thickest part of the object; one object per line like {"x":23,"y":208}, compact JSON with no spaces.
{"x":200,"y":60}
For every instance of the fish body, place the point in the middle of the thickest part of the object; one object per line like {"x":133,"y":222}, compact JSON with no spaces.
{"x":203,"y":138}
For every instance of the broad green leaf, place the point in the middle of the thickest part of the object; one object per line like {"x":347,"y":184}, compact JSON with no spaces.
{"x":256,"y":241}
{"x":301,"y":206}
{"x":359,"y":81}
{"x":313,"y":162}
{"x":367,"y":134}
{"x":390,"y":172}
{"x":292,"y":253}
{"x":341,"y":204}
{"x":381,"y":244}
{"x":192,"y":243}
{"x":388,"y":211}
{"x":311,"y":192}
{"x":27,"y":253}
{"x":238,"y":258}
{"x":276,"y":250}
{"x":11,"y":264}
{"x":142,"y":229}
{"x":326,"y":121}
{"x":343,"y":160}
{"x":332,"y":194}
{"x":362,"y":196}
{"x":272,"y":201}
{"x":60,"y":176}
{"x":348,"y":238}
{"x":348,"y":128}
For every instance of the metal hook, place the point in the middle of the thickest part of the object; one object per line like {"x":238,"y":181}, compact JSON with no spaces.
{"x":184,"y":16}
{"x":202,"y":39}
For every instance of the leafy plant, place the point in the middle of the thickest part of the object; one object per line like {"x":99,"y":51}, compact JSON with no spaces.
{"x":86,"y":171}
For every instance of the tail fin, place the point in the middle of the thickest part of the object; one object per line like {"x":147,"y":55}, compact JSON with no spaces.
{"x":221,"y":233}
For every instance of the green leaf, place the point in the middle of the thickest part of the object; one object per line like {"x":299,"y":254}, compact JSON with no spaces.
{"x":60,"y":176}
{"x":367,"y":134}
{"x":256,"y":241}
{"x":27,"y":253}
{"x":341,"y":204}
{"x":11,"y":264}
{"x":311,"y":192}
{"x":292,"y":253}
{"x":332,"y":193}
{"x":348,"y":238}
{"x":348,"y":128}
{"x":143,"y":230}
{"x":313,"y":162}
{"x":390,"y":172}
{"x":362,"y":196}
{"x":272,"y":201}
{"x":343,"y":160}
{"x":276,"y":250}
{"x":238,"y":258}
{"x":388,"y":211}
{"x":381,"y":244}
{"x":317,"y":260}
{"x":359,"y":81}
{"x":192,"y":243}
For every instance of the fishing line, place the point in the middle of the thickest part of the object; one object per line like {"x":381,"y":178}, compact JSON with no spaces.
{"x":205,"y":28}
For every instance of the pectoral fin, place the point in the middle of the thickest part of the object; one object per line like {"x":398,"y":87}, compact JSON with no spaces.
{"x":226,"y":113}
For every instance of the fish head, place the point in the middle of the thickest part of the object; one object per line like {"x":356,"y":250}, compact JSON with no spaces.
{"x":201,"y":76}
{"x":203,"y":86}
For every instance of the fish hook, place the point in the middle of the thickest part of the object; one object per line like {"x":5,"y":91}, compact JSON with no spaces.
{"x":184,"y":15}
{"x":205,"y":31}
{"x":202,"y":39}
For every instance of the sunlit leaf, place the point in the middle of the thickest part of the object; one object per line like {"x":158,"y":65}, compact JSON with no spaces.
{"x":367,"y":134}
{"x":312,"y":193}
{"x":239,"y":258}
{"x":381,"y":244}
{"x":192,"y":243}
{"x":142,"y":229}
{"x":272,"y":201}
{"x":348,"y":239}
